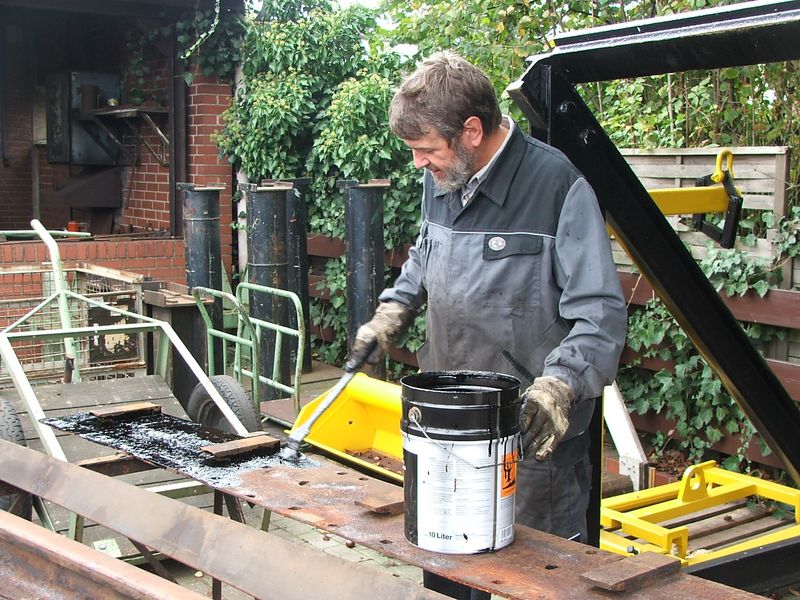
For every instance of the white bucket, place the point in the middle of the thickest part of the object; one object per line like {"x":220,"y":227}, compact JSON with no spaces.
{"x":460,"y":449}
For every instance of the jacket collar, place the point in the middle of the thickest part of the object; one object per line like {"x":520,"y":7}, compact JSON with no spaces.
{"x":495,"y":186}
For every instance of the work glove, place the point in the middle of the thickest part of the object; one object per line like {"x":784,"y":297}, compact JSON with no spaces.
{"x":377,"y":336}
{"x":545,"y":415}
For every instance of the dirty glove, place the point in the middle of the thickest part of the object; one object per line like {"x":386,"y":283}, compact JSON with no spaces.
{"x":545,"y":413}
{"x":377,"y":336}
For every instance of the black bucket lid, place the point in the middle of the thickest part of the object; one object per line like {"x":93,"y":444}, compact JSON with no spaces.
{"x":460,"y":405}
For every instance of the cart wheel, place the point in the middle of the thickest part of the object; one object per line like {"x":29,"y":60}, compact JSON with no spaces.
{"x":202,"y":409}
{"x":20,"y":503}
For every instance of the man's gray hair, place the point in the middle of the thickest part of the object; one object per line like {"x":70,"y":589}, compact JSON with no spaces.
{"x":442,"y":94}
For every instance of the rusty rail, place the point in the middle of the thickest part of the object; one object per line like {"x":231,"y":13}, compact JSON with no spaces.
{"x":248,"y":559}
{"x":330,"y":497}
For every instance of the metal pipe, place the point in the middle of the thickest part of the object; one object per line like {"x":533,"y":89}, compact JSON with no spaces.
{"x":297,"y":258}
{"x":60,"y":286}
{"x":201,"y":233}
{"x":364,"y":248}
{"x":267,"y":266}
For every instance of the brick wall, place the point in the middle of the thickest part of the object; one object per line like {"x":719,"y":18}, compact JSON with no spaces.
{"x":162,"y":259}
{"x":146,"y":188}
{"x":145,"y":193}
{"x":208,"y":97}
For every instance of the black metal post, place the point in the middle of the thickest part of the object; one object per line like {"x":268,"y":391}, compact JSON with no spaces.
{"x":266,"y":265}
{"x":297,"y":258}
{"x":202,"y":243}
{"x":364,"y":248}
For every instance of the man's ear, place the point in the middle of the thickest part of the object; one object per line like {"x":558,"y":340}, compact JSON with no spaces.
{"x":472,"y":135}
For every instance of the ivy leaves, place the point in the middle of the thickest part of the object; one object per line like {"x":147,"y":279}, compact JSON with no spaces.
{"x":688,"y":390}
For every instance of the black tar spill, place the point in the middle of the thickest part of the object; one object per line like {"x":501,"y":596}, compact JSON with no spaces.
{"x":173,"y":443}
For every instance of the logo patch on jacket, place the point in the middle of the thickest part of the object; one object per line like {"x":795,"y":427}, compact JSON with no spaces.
{"x":497,"y":244}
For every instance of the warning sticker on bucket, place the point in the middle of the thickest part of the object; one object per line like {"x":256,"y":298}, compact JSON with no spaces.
{"x":508,"y":475}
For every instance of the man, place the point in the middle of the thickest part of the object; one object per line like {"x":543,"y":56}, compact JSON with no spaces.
{"x":514,"y":262}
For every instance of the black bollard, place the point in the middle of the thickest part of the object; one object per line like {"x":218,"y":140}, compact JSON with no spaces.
{"x":364,"y":248}
{"x":266,"y":265}
{"x":201,"y":234}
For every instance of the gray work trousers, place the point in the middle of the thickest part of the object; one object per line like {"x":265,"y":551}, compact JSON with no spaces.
{"x":553,"y":495}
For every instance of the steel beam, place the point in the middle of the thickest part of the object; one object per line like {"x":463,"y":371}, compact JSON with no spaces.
{"x":727,"y":36}
{"x":259,"y":564}
{"x":559,"y":116}
{"x":37,"y":563}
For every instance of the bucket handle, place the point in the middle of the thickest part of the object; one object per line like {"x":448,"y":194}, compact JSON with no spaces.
{"x":412,"y":416}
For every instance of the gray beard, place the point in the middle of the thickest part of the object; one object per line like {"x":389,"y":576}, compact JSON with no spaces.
{"x":456,"y":176}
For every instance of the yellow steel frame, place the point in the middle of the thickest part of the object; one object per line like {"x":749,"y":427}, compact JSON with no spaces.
{"x":697,"y":200}
{"x":702,"y":486}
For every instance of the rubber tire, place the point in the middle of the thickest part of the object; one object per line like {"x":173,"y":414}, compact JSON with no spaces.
{"x":11,"y":431}
{"x":202,"y":409}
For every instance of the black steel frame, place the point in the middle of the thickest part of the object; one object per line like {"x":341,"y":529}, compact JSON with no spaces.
{"x":747,"y":33}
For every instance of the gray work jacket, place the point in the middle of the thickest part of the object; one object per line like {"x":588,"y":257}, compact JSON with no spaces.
{"x":521,"y":280}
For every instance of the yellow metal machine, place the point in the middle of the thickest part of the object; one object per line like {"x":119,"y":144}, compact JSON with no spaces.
{"x":654,"y":520}
{"x":362,"y":427}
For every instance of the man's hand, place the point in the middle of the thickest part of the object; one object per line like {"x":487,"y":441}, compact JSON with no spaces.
{"x":376,"y":337}
{"x":545,"y":413}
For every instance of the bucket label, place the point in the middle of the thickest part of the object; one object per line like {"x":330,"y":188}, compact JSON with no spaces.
{"x":464,"y":494}
{"x":508,"y":475}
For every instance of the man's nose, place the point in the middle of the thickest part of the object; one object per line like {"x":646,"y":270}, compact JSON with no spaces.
{"x":420,"y":160}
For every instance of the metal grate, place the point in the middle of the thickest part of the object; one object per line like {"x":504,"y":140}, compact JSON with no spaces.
{"x":26,"y":287}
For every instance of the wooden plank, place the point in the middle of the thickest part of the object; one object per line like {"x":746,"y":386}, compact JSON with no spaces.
{"x":779,"y":307}
{"x":88,"y":394}
{"x":242,"y":446}
{"x":725,"y":521}
{"x":384,"y":502}
{"x":740,"y":533}
{"x":126,"y":409}
{"x":704,"y":151}
{"x":633,"y":572}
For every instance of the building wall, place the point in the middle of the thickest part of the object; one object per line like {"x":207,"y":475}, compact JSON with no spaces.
{"x":208,"y":98}
{"x":146,"y":187}
{"x":161,"y":259}
{"x":15,"y":174}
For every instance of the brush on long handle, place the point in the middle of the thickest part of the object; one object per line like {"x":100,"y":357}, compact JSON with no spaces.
{"x":292,"y":449}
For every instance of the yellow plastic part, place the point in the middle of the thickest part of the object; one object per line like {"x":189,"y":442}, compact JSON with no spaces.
{"x":702,"y":486}
{"x":366,"y":416}
{"x":691,"y":200}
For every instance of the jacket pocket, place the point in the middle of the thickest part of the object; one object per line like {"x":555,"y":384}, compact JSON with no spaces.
{"x":511,"y":271}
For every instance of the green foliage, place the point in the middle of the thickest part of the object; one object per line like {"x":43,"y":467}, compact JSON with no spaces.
{"x":690,"y":392}
{"x":295,"y":56}
{"x":354,"y":142}
{"x":269,"y":108}
{"x":209,"y":39}
{"x":314,"y":100}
